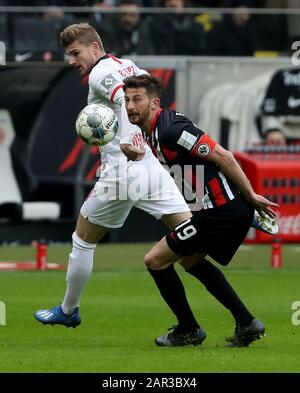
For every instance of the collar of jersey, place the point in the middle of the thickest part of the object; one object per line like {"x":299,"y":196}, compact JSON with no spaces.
{"x":101,"y":58}
{"x":154,"y":121}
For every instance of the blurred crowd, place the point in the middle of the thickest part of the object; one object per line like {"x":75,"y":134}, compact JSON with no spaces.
{"x":130,"y":32}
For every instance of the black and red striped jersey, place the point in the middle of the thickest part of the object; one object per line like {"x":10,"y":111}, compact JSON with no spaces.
{"x":175,"y":140}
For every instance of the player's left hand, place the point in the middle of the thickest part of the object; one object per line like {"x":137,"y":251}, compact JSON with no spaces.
{"x":263,"y":205}
{"x":133,"y":153}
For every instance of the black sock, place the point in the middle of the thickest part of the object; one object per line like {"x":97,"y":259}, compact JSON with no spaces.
{"x":217,"y":284}
{"x":172,"y":290}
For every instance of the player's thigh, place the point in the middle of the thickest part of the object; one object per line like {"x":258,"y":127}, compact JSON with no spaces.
{"x":162,"y":196}
{"x":188,"y":238}
{"x":89,"y":232}
{"x":160,"y":256}
{"x":106,"y":210}
{"x":164,"y":200}
{"x":172,"y":220}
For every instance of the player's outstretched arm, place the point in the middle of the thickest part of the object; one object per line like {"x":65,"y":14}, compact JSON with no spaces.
{"x":228,"y":164}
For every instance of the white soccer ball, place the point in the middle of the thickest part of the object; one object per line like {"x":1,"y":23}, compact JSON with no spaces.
{"x":97,"y":124}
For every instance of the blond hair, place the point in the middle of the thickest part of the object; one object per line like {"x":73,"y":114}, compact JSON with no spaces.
{"x":82,"y":32}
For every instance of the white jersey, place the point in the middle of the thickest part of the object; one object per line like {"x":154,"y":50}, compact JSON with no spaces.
{"x":105,"y":87}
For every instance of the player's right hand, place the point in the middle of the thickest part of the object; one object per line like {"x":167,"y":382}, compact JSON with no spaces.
{"x":263,"y":205}
{"x":133,"y":153}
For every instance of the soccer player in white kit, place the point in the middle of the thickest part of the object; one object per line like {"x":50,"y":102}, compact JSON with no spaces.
{"x":115,"y":193}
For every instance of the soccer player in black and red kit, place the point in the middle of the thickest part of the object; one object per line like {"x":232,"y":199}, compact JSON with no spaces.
{"x":217,"y":229}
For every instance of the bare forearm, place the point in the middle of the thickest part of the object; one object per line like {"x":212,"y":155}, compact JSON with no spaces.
{"x":228,"y":164}
{"x":233,"y":171}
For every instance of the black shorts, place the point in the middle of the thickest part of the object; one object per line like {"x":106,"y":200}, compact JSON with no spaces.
{"x":217,"y":232}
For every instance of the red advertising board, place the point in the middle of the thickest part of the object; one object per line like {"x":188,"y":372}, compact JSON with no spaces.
{"x":275,"y":173}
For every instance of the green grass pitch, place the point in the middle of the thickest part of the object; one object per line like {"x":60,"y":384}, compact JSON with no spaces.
{"x":122,"y":312}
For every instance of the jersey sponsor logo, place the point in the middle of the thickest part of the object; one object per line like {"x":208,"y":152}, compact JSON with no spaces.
{"x":179,"y":114}
{"x":127,"y":71}
{"x":137,"y":140}
{"x":293,"y":102}
{"x":109,"y":82}
{"x":203,"y":150}
{"x":291,"y":79}
{"x":187,"y":140}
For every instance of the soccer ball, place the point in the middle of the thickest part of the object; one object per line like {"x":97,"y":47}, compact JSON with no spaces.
{"x":97,"y":124}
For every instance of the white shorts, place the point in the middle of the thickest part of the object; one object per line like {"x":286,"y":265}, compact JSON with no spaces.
{"x":144,"y":184}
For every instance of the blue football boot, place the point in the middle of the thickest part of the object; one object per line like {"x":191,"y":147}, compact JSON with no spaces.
{"x":56,"y":316}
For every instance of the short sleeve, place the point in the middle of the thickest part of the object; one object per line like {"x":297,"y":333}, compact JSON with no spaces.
{"x":183,"y":135}
{"x":107,"y":84}
{"x":203,"y":147}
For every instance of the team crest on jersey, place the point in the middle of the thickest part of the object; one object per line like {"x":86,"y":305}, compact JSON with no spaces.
{"x":109,"y":82}
{"x":203,"y":150}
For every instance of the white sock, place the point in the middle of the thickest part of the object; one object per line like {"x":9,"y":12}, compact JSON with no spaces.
{"x":79,"y":271}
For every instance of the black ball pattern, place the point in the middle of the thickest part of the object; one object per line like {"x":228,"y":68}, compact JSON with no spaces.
{"x":95,"y":124}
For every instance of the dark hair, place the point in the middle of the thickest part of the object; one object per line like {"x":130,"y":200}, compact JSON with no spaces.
{"x":150,"y":83}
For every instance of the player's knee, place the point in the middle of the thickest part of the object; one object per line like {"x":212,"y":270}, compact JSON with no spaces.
{"x":81,"y":244}
{"x":148,"y":260}
{"x":152,"y":261}
{"x":88,"y":232}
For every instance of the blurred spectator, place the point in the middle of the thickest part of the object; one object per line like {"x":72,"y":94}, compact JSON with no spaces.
{"x":83,"y":16}
{"x":271,"y":30}
{"x":226,"y":3}
{"x":248,"y":3}
{"x":150,"y":3}
{"x":55,"y":12}
{"x":38,"y":31}
{"x":280,"y":130}
{"x":29,"y":3}
{"x":294,"y":22}
{"x":126,"y":33}
{"x":278,"y":110}
{"x":96,"y":19}
{"x":210,"y":3}
{"x":77,"y":16}
{"x":234,"y":35}
{"x":36,"y":34}
{"x":275,"y":137}
{"x":45,"y":3}
{"x":177,"y":33}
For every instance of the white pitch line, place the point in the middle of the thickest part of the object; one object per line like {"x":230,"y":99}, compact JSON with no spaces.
{"x":8,"y":265}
